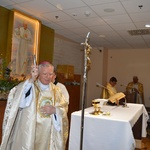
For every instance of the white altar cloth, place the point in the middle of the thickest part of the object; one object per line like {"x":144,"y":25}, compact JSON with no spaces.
{"x":112,"y":132}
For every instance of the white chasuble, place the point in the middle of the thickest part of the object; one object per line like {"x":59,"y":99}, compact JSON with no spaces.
{"x":44,"y":121}
{"x":47,"y":137}
{"x":19,"y":124}
{"x":29,"y":128}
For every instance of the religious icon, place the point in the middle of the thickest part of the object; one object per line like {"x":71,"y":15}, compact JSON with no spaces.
{"x":24,"y":44}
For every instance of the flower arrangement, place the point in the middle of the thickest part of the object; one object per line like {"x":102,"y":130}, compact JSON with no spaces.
{"x":7,"y":85}
{"x":6,"y":81}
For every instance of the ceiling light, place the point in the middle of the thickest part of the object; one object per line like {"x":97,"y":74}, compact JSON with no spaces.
{"x":87,"y":13}
{"x":56,"y":17}
{"x":59,"y":6}
{"x":74,"y":14}
{"x":102,"y":36}
{"x":147,"y":25}
{"x":109,"y":10}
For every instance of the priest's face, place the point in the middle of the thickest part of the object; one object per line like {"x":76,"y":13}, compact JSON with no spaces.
{"x":46,"y":74}
{"x":113,"y":83}
{"x":135,"y":79}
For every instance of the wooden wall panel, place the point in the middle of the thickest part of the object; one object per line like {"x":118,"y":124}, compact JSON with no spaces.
{"x":2,"y":109}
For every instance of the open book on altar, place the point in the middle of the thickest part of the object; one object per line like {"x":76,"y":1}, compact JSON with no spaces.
{"x":116,"y":97}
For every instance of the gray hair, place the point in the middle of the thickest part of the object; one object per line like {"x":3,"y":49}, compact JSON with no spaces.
{"x":45,"y":64}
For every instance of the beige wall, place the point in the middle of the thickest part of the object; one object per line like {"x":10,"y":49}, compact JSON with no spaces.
{"x":122,"y":64}
{"x":67,"y":52}
{"x":94,"y":76}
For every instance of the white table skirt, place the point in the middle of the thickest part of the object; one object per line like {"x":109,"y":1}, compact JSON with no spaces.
{"x":112,"y":132}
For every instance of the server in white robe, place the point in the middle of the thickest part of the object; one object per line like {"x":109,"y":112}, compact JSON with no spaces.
{"x":62,"y":87}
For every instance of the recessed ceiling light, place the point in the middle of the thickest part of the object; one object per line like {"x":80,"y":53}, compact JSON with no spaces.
{"x":74,"y":14}
{"x":109,"y":10}
{"x":147,"y":25}
{"x":59,"y":6}
{"x":102,"y":36}
{"x":87,"y":13}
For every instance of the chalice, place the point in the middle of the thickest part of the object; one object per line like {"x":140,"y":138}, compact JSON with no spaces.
{"x":96,"y":105}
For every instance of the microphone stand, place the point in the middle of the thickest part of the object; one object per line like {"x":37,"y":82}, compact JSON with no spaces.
{"x":87,"y":63}
{"x":100,"y":85}
{"x":125,"y":102}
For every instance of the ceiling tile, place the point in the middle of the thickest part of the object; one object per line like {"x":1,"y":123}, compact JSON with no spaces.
{"x":57,"y":16}
{"x":141,"y":25}
{"x":101,"y":28}
{"x":39,"y":6}
{"x":134,"y":6}
{"x":137,"y":17}
{"x":123,"y":26}
{"x":115,"y":39}
{"x":54,"y":26}
{"x":91,"y":21}
{"x":70,"y":24}
{"x":66,"y":4}
{"x":82,"y":12}
{"x":67,"y":18}
{"x":95,"y":2}
{"x":76,"y":38}
{"x":134,"y":39}
{"x":6,"y":3}
{"x":20,"y":1}
{"x":79,"y":31}
{"x":20,"y":8}
{"x":123,"y":33}
{"x":117,"y":19}
{"x":109,"y":34}
{"x":116,"y":6}
{"x":146,"y":37}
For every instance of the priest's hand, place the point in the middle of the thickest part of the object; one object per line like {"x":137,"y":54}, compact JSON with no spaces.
{"x":117,"y":102}
{"x":136,"y":90}
{"x":48,"y":109}
{"x":34,"y":73}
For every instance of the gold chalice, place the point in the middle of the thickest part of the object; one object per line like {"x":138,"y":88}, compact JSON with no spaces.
{"x":96,"y":105}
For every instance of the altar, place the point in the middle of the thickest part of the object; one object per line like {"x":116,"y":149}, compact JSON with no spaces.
{"x":108,"y":132}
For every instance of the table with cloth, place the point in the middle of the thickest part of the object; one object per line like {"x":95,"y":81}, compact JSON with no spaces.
{"x":107,"y":132}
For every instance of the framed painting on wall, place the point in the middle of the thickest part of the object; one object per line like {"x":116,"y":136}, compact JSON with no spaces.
{"x":25,"y":44}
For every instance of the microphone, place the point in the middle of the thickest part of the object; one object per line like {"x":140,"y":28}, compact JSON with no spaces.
{"x":100,"y":85}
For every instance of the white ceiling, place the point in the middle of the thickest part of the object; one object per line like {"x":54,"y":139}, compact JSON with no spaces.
{"x":67,"y":18}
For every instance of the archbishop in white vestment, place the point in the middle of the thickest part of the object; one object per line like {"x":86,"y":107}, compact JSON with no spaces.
{"x":26,"y":126}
